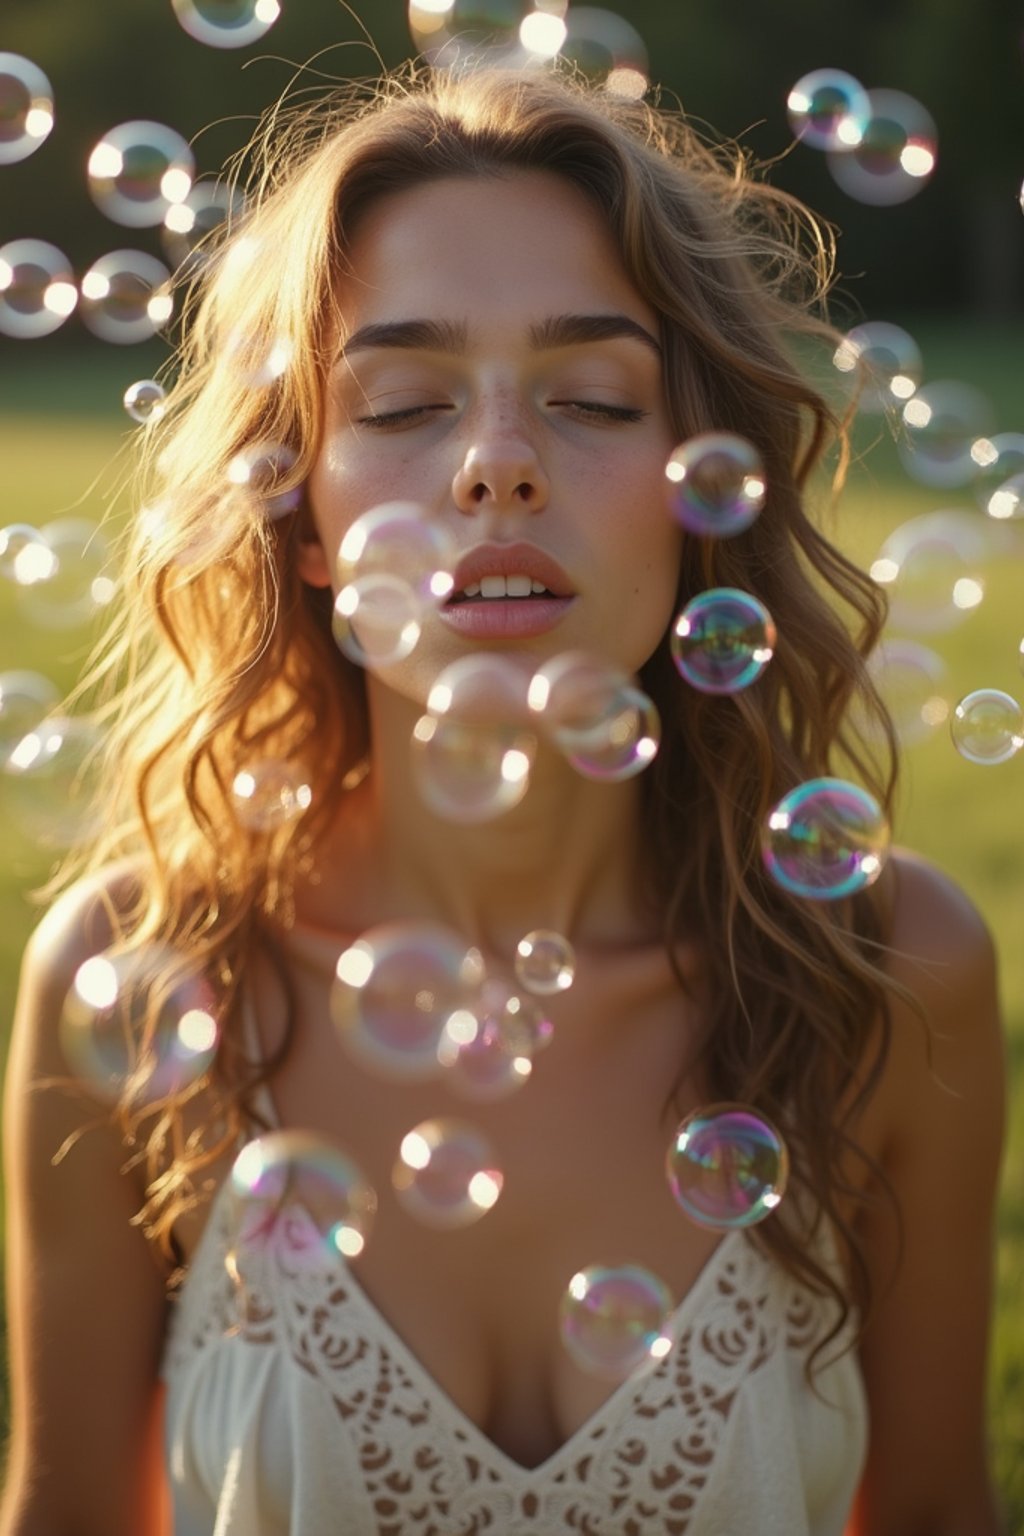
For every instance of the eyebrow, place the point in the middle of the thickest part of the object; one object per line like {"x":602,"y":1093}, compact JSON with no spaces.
{"x":452,"y":335}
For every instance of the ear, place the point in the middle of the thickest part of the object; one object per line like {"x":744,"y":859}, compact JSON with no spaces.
{"x":311,"y":558}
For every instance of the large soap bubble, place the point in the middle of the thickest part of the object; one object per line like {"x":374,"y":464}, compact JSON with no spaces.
{"x":227,"y":23}
{"x":988,"y":726}
{"x":723,"y":640}
{"x":616,"y":1320}
{"x":138,"y":170}
{"x":126,"y":297}
{"x":933,"y":568}
{"x":943,"y":420}
{"x":37,"y":289}
{"x":828,"y":109}
{"x":716,"y":484}
{"x":887,"y":360}
{"x":26,"y":108}
{"x":895,"y":155}
{"x":298,"y":1176}
{"x":605,"y":726}
{"x":727,"y":1166}
{"x":446,"y":1174}
{"x":825,"y":840}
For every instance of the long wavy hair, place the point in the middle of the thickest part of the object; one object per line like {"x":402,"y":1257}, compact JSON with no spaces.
{"x":221,"y":655}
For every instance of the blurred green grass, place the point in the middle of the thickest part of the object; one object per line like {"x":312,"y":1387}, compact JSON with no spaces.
{"x":61,"y":425}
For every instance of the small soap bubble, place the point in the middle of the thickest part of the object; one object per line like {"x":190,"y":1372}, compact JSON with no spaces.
{"x":261,"y":470}
{"x":26,"y":108}
{"x":469,"y":32}
{"x":473,"y":750}
{"x":48,"y":782}
{"x":604,"y":725}
{"x":932,"y":568}
{"x":988,"y":726}
{"x":377,"y":620}
{"x":915,"y":687}
{"x":545,"y":962}
{"x":126,"y":297}
{"x":25,"y":555}
{"x":895,"y":155}
{"x":886,"y":359}
{"x":26,"y":698}
{"x":394,"y":991}
{"x":727,"y":1166}
{"x":446,"y":1174}
{"x":942,"y":422}
{"x":616,"y":1321}
{"x":226,"y":23}
{"x":608,"y":49}
{"x":997,"y":459}
{"x":138,"y":170}
{"x":394,"y":566}
{"x":269,"y":794}
{"x":716,"y":484}
{"x":1007,"y":500}
{"x":192,"y":228}
{"x":257,"y":359}
{"x":301,"y":1189}
{"x":826,"y":839}
{"x":828,"y":109}
{"x":145,"y":400}
{"x":37,"y":289}
{"x":723,"y":640}
{"x":77,"y":585}
{"x":480,"y":1050}
{"x":141,"y":1021}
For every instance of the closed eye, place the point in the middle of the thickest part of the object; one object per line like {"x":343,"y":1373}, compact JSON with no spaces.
{"x":586,"y":410}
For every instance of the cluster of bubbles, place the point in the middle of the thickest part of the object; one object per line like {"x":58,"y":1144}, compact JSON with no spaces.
{"x":880,"y":145}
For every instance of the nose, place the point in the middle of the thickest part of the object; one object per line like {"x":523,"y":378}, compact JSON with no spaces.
{"x":500,"y":474}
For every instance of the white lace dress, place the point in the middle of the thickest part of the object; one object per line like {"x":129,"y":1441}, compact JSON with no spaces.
{"x":301,"y":1412}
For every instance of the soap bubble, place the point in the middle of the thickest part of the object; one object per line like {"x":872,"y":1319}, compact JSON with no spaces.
{"x":471,"y":32}
{"x":825,"y":839}
{"x":997,"y":459}
{"x":943,"y":420}
{"x":617,"y":1320}
{"x":126,"y":297}
{"x":887,"y":360}
{"x":473,"y":750}
{"x":25,"y":555}
{"x":307,"y":1183}
{"x":608,"y":49}
{"x":1007,"y":500}
{"x":394,"y":991}
{"x":727,"y":1166}
{"x":37,"y":289}
{"x":139,"y":1019}
{"x":605,"y":726}
{"x":26,"y":698}
{"x":269,"y":794}
{"x":145,"y":400}
{"x":545,"y":962}
{"x":716,"y":484}
{"x":895,"y":155}
{"x":138,"y":170}
{"x":260,"y":470}
{"x":48,"y":782}
{"x":915,"y":687}
{"x":227,"y":23}
{"x":723,"y":640}
{"x":828,"y":109}
{"x":77,"y":585}
{"x":988,"y":726}
{"x":480,"y":1050}
{"x":258,"y":360}
{"x":26,"y":108}
{"x":189,"y":235}
{"x":446,"y":1174}
{"x":933,"y":570}
{"x":377,"y":620}
{"x":394,"y":566}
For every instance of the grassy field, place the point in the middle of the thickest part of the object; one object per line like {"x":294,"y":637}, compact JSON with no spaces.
{"x":60,"y":426}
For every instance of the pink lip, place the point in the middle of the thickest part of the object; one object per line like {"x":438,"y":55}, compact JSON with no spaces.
{"x":511,"y":618}
{"x":512,"y":560}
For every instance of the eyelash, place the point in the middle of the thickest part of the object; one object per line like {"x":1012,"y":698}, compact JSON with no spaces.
{"x":589,"y":411}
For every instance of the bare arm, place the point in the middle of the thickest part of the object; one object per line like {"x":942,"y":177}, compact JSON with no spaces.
{"x":925,"y":1351}
{"x":85,"y":1297}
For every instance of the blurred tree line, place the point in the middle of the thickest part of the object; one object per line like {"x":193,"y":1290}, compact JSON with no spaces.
{"x":957,"y":245}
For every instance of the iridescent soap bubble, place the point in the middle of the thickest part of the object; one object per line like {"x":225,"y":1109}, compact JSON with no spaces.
{"x":25,"y":555}
{"x":26,"y":108}
{"x":470,"y":33}
{"x":26,"y":698}
{"x":78,"y":586}
{"x":480,"y":1049}
{"x":473,"y":751}
{"x":943,"y":420}
{"x":49,"y":782}
{"x":1007,"y":500}
{"x":270,"y":794}
{"x":915,"y":686}
{"x":895,"y":155}
{"x":300,"y":1187}
{"x":227,"y":23}
{"x":192,"y":228}
{"x":828,"y":109}
{"x":988,"y":726}
{"x":394,"y":566}
{"x":997,"y":459}
{"x":932,"y":568}
{"x":37,"y":289}
{"x":616,"y":1320}
{"x":605,"y":726}
{"x":608,"y":49}
{"x":126,"y":297}
{"x":716,"y":484}
{"x":140,"y":1020}
{"x":446,"y":1174}
{"x":259,"y":360}
{"x":261,"y":470}
{"x":727,"y":1166}
{"x":886,"y":359}
{"x":723,"y":640}
{"x":138,"y":170}
{"x":545,"y":962}
{"x":394,"y":991}
{"x":145,"y":400}
{"x":825,"y":839}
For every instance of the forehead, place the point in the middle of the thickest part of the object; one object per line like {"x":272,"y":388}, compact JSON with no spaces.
{"x":491,"y":249}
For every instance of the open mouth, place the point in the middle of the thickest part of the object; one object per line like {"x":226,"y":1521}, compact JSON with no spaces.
{"x":496,"y":589}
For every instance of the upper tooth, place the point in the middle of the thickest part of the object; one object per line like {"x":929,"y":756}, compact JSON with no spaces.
{"x":502,"y":586}
{"x":538,"y":586}
{"x":518,"y":586}
{"x":472,"y":589}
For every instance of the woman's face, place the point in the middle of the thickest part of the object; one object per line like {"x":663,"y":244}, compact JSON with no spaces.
{"x":501,"y":371}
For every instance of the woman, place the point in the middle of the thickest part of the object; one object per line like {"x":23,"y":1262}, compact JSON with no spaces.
{"x":506,"y":299}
